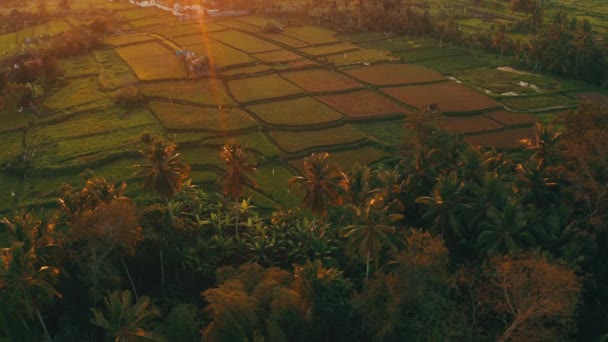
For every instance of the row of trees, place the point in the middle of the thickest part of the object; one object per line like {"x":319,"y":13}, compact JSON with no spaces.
{"x":504,"y":248}
{"x":563,"y":46}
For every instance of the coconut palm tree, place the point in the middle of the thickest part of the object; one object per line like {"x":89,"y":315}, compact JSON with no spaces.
{"x":446,"y":205}
{"x":543,"y":145}
{"x":26,"y":278}
{"x":321,"y":183}
{"x":368,"y":237}
{"x":122,"y":320}
{"x":239,"y":170}
{"x":505,"y":231}
{"x":25,"y":284}
{"x":165,"y":172}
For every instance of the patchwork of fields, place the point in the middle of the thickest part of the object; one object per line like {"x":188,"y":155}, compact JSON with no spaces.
{"x":281,"y":95}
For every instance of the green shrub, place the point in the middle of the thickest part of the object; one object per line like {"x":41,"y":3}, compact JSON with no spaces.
{"x":129,"y":97}
{"x":272,"y":26}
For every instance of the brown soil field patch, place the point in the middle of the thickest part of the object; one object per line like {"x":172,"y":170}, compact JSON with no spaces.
{"x":362,"y":104}
{"x":450,"y":96}
{"x":182,"y":117}
{"x":504,"y":139}
{"x":296,"y":112}
{"x":593,"y":97}
{"x":469,"y":124}
{"x":511,"y":119}
{"x":320,"y":80}
{"x":293,"y":142}
{"x":387,"y":74}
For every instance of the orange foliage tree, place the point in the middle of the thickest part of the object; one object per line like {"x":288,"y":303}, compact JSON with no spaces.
{"x":534,"y":298}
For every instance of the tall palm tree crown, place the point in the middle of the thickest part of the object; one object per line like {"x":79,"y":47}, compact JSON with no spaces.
{"x":239,"y":170}
{"x":321,"y":182}
{"x":165,"y":172}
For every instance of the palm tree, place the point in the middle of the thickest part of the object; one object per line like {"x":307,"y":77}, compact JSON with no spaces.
{"x":25,"y":285}
{"x":368,"y":237}
{"x":446,"y":205}
{"x":543,"y":145}
{"x":501,"y":40}
{"x":321,"y":183}
{"x":239,"y":172}
{"x":357,"y":187}
{"x":505,"y":231}
{"x":25,"y":275}
{"x":165,"y":171}
{"x":123,"y":321}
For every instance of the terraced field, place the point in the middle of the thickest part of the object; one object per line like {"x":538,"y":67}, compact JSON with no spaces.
{"x":280,"y":95}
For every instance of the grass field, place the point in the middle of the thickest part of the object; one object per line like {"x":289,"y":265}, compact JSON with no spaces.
{"x":255,"y":141}
{"x":389,"y":44}
{"x":329,"y":49}
{"x":536,"y":103}
{"x":293,"y":142}
{"x":237,"y":24}
{"x":273,"y":180}
{"x":221,"y":55}
{"x":450,"y":96}
{"x":181,"y":117}
{"x":389,"y":132}
{"x":76,"y":91}
{"x":84,"y":150}
{"x":206,"y":91}
{"x":320,"y":80}
{"x":79,"y":66}
{"x":259,"y":88}
{"x":277,"y":56}
{"x":248,"y":70}
{"x":94,"y":122}
{"x":285,"y":40}
{"x":128,"y":39}
{"x":244,"y":42}
{"x":448,"y":65}
{"x":516,"y":83}
{"x":152,"y":61}
{"x":311,"y":34}
{"x":361,"y":57}
{"x":363,"y":104}
{"x":426,"y":53}
{"x":298,"y":112}
{"x":113,"y":71}
{"x":388,"y":74}
{"x":12,"y":146}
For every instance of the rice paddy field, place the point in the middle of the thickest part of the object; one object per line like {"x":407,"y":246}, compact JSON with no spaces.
{"x":280,"y":95}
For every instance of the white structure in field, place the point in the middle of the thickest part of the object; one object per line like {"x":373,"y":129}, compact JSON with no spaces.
{"x":192,"y":10}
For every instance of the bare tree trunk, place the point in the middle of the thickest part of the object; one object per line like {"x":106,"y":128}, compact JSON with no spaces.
{"x":162,"y":269}
{"x":46,"y":332}
{"x":130,"y":279}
